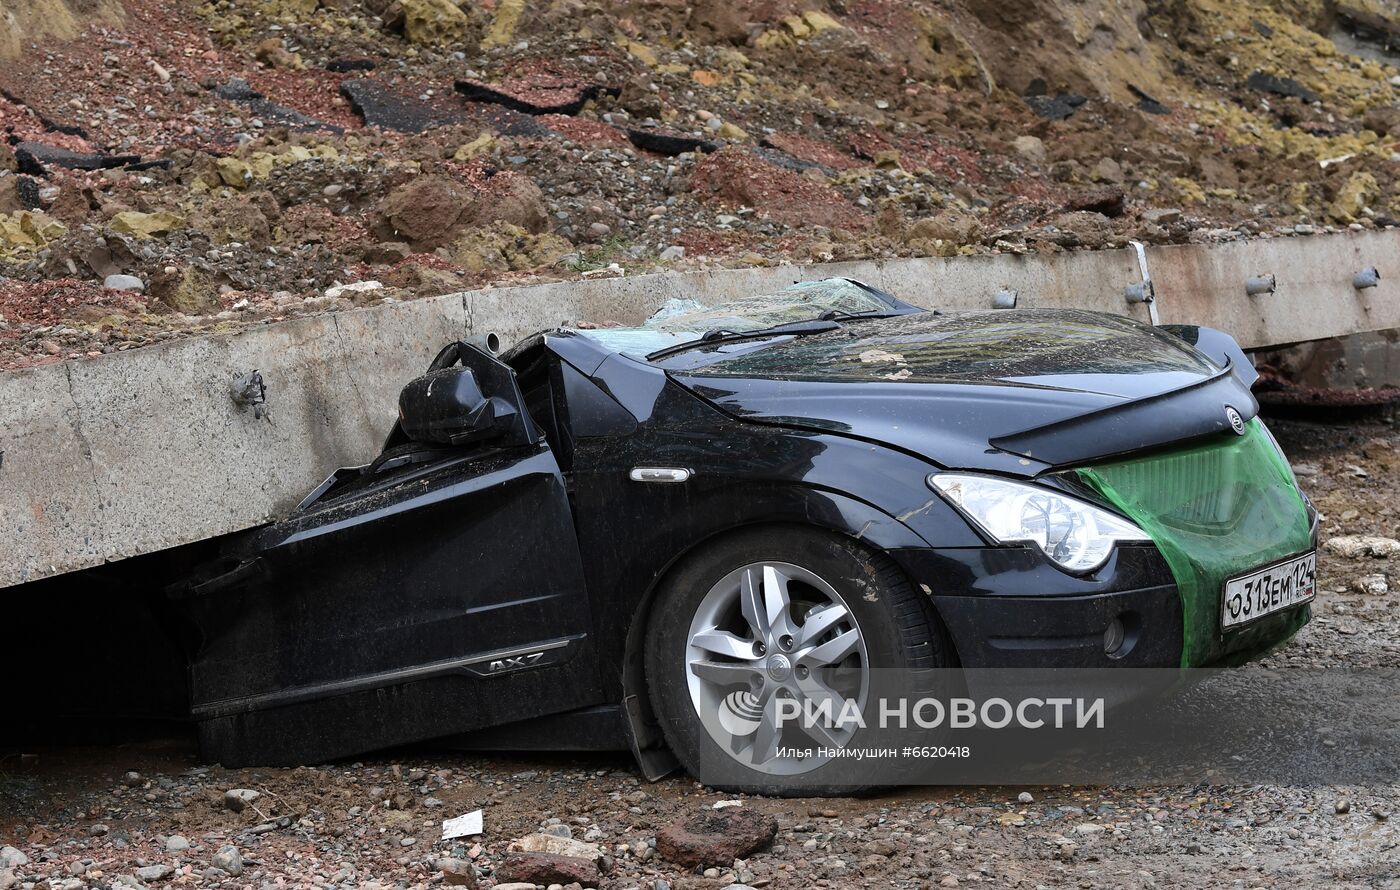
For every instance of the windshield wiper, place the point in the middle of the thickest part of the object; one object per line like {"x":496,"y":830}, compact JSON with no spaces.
{"x":721,"y":335}
{"x":843,"y":315}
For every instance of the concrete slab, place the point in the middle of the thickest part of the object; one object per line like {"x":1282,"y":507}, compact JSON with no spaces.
{"x":143,"y":450}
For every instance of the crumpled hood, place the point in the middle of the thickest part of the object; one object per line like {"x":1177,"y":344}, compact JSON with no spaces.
{"x":1015,"y":391}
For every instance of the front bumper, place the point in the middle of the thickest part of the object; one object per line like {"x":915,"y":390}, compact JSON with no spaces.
{"x":1008,"y":607}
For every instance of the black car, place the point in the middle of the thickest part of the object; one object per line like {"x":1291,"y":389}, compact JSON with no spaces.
{"x":647,"y":536}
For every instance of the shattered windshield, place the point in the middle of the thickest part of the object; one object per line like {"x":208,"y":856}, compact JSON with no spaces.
{"x":1044,"y":346}
{"x":681,"y":321}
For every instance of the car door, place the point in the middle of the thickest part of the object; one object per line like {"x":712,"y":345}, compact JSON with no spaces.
{"x":437,"y":591}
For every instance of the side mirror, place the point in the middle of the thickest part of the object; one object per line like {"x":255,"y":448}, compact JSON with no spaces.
{"x":446,"y":407}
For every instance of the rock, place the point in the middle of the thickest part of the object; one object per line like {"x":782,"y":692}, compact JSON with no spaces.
{"x":11,"y":857}
{"x":1109,"y":201}
{"x":247,"y":219}
{"x":1107,"y":170}
{"x":953,"y":226}
{"x":144,"y":225}
{"x":428,"y":22}
{"x":1162,"y":216}
{"x":735,"y":133}
{"x":238,"y":799}
{"x":720,"y":21}
{"x":1079,"y":229}
{"x":352,"y":289}
{"x":389,"y":109}
{"x":672,"y":253}
{"x":480,"y":145}
{"x":155,"y":872}
{"x":1025,"y":797}
{"x":29,"y":230}
{"x":1343,"y":806}
{"x":1356,"y":546}
{"x":716,"y":837}
{"x":1375,"y":585}
{"x":387,"y":253}
{"x":1354,"y":197}
{"x":190,"y":291}
{"x":547,"y":868}
{"x":557,"y":846}
{"x":233,"y":172}
{"x":229,"y":859}
{"x":426,"y":212}
{"x":535,"y":95}
{"x":515,"y":886}
{"x":458,"y":873}
{"x":273,"y":54}
{"x":503,"y":23}
{"x":1031,"y":148}
{"x":513,"y":199}
{"x":8,"y":879}
{"x":1383,"y":120}
{"x":175,"y":843}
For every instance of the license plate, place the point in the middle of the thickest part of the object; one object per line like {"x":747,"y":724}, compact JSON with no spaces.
{"x":1268,"y":590}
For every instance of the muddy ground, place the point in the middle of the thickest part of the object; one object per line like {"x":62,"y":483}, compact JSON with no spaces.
{"x":96,"y":817}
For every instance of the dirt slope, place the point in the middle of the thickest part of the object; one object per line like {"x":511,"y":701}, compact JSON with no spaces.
{"x":240,"y":158}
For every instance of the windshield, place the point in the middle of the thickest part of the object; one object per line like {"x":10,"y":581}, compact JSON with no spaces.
{"x":681,"y":321}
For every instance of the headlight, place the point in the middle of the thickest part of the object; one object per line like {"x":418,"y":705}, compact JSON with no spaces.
{"x":1075,"y":535}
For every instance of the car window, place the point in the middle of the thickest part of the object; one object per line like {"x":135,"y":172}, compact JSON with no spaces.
{"x":1025,"y":344}
{"x":680,"y":321}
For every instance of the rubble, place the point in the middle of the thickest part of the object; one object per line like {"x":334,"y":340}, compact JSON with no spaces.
{"x":715,"y":837}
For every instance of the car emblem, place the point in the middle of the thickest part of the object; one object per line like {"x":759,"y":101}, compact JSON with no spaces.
{"x":1236,"y":421}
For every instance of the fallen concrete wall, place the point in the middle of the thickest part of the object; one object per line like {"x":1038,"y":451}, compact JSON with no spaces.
{"x":139,"y":451}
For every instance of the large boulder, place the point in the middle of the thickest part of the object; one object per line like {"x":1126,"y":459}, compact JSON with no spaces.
{"x":510,"y":198}
{"x":426,"y":212}
{"x":429,"y":22}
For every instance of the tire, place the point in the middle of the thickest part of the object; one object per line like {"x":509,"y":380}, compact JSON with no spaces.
{"x":712,"y":678}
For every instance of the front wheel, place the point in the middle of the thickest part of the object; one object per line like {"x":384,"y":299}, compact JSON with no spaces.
{"x":769,"y":649}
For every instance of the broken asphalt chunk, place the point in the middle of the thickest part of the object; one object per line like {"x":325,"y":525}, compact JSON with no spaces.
{"x":1056,"y":107}
{"x":670,"y":144}
{"x":35,"y":158}
{"x":345,"y":66}
{"x":508,"y":122}
{"x":1280,"y":86}
{"x":1147,"y":103}
{"x":547,"y":95}
{"x":27,"y":189}
{"x":236,"y":89}
{"x":379,"y":105}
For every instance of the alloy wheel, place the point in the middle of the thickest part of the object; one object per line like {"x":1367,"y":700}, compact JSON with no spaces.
{"x":767,"y":632}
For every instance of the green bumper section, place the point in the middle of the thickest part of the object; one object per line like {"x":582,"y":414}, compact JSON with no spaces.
{"x":1215,"y":511}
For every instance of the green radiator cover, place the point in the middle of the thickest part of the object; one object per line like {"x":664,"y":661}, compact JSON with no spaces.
{"x":1215,"y":511}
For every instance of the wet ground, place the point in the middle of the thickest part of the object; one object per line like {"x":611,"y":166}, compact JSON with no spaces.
{"x":96,"y":817}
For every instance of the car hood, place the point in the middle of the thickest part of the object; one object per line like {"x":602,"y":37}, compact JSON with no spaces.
{"x":1015,"y":391}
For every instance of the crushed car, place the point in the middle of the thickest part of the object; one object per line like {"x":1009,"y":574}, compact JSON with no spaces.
{"x":602,"y":538}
